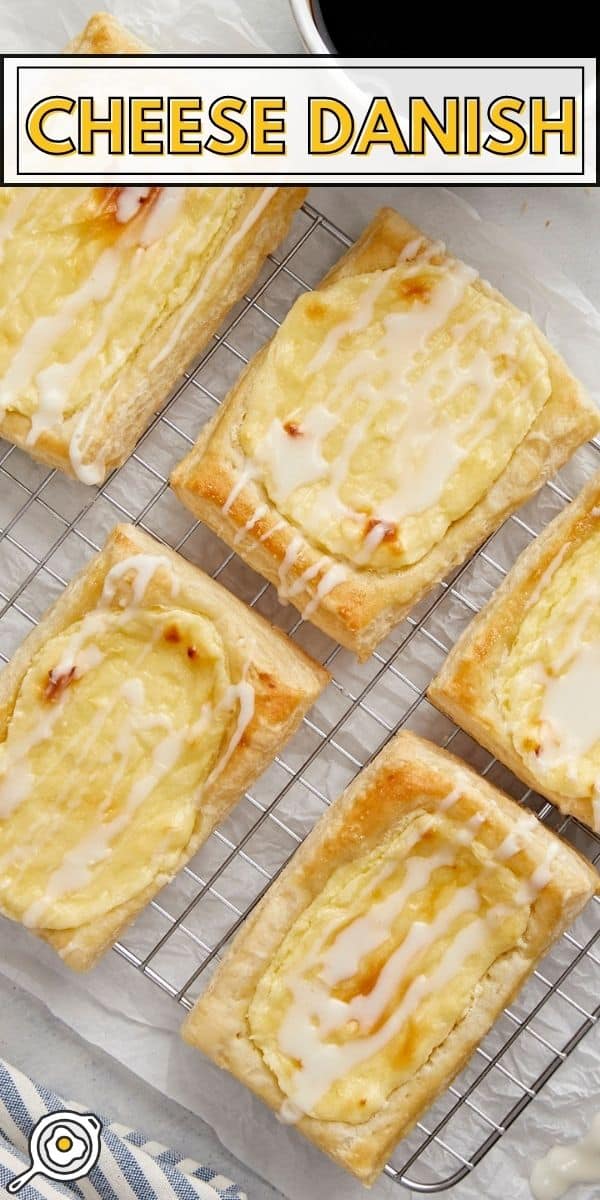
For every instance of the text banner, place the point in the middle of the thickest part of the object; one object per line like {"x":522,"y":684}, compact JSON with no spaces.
{"x":324,"y":120}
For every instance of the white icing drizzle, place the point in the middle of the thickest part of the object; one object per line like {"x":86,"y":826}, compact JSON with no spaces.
{"x":190,"y":306}
{"x":162,"y":214}
{"x":299,"y":584}
{"x":259,"y":512}
{"x":247,"y":473}
{"x":159,"y":217}
{"x":17,"y":782}
{"x":129,"y":202}
{"x":243,"y":694}
{"x":426,"y":475}
{"x":373,"y":539}
{"x":571,"y":708}
{"x":588,"y":598}
{"x":530,"y":889}
{"x":45,"y":331}
{"x":562,"y":1166}
{"x":357,"y":322}
{"x":88,"y":658}
{"x":54,"y":383}
{"x":91,"y":471}
{"x":289,"y":1114}
{"x":332,"y":573}
{"x":450,"y":799}
{"x":144,"y":568}
{"x":79,"y":657}
{"x":75,"y":870}
{"x":466,"y":833}
{"x":314,"y":1013}
{"x":415,"y":248}
{"x":281,"y":524}
{"x":420,"y":251}
{"x":333,"y":576}
{"x":516,"y":839}
{"x":289,"y":559}
{"x":296,"y":460}
{"x":16,"y":785}
{"x":371,"y":930}
{"x":407,"y":332}
{"x":13,"y":214}
{"x":133,"y":692}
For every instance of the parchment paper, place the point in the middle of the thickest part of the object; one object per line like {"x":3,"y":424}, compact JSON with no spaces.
{"x":189,"y":26}
{"x":117,"y":1008}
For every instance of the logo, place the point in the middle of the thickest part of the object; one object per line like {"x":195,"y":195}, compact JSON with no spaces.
{"x":63,"y":1145}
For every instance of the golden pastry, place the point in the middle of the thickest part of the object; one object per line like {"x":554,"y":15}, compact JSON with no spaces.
{"x":524,"y":679}
{"x":401,"y":412}
{"x":380,"y":957}
{"x":131,"y":720}
{"x":107,"y":293}
{"x":104,"y":35}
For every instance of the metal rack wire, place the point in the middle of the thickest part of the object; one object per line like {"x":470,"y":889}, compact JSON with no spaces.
{"x":50,"y":526}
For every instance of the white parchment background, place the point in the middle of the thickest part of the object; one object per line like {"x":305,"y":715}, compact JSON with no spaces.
{"x":114,"y":1007}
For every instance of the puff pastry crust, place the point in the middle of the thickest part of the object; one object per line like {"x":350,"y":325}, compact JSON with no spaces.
{"x":354,"y":529}
{"x":107,"y":293}
{"x":523,"y":678}
{"x":160,"y":697}
{"x":419,"y":857}
{"x":104,"y":35}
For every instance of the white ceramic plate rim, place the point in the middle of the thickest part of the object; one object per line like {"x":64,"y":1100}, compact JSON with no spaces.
{"x":309,"y":33}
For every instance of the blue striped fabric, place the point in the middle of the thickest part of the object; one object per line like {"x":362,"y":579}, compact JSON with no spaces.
{"x":129,"y":1168}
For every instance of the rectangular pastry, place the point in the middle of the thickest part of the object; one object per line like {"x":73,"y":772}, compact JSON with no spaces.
{"x":403,"y":925}
{"x":524,"y":678}
{"x":107,"y":293}
{"x":401,"y":412}
{"x":131,"y":720}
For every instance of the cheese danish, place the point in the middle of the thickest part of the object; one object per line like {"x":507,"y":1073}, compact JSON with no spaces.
{"x":107,"y":293}
{"x":381,"y":956}
{"x":524,"y":678}
{"x":131,"y":720}
{"x":105,"y":296}
{"x":401,"y":412}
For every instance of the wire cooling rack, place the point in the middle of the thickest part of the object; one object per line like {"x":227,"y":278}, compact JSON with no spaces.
{"x":51,"y":526}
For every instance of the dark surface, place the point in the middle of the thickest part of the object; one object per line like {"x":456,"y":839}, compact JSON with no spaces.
{"x":341,"y":31}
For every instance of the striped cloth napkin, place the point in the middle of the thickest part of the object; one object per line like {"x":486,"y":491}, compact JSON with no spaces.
{"x":129,"y":1167}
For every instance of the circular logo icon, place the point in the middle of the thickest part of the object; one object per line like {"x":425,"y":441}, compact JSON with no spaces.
{"x":62,"y":1145}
